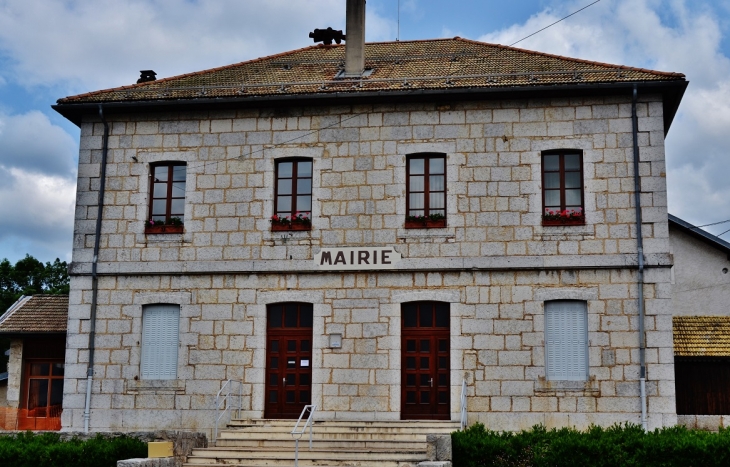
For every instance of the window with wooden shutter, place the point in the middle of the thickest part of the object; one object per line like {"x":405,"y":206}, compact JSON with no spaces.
{"x":159,"y":341}
{"x":566,"y":340}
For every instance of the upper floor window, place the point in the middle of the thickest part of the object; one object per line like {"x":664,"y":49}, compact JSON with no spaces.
{"x":566,"y":340}
{"x":426,"y":191}
{"x":562,"y":187}
{"x":160,"y":325}
{"x":167,"y":197}
{"x":293,"y":195}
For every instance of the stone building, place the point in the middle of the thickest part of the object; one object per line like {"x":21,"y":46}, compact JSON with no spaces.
{"x":368,"y":240}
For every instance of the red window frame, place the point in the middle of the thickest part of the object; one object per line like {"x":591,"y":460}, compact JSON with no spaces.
{"x":421,"y":217}
{"x":560,"y":178}
{"x":165,"y":194}
{"x":298,"y":215}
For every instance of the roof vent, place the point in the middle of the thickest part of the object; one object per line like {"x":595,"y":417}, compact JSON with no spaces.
{"x":146,"y":75}
{"x":328,"y":35}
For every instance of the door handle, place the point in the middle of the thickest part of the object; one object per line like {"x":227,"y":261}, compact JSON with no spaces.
{"x":430,"y":382}
{"x":284,"y":380}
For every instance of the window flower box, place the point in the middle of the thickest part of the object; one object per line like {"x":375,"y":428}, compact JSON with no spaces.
{"x":300,"y":221}
{"x":434,"y":221}
{"x":565,"y":217}
{"x":173,"y":225}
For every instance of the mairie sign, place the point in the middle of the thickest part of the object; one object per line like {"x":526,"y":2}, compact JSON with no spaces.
{"x":357,"y":258}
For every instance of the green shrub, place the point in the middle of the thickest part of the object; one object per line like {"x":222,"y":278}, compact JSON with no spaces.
{"x":619,"y":445}
{"x":47,"y":450}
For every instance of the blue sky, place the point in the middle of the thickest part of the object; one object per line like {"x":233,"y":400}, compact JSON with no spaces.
{"x":51,"y":49}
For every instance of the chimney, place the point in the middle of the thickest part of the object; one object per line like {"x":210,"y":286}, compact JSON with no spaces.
{"x":355,"y":41}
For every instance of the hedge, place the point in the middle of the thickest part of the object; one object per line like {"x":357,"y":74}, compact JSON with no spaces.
{"x":47,"y":450}
{"x":619,"y":445}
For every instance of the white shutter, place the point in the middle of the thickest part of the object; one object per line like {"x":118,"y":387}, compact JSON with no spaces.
{"x":159,"y":341}
{"x":566,"y":340}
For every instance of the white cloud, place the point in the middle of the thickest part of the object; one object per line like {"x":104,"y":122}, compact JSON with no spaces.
{"x":637,"y":33}
{"x":31,"y":142}
{"x":37,"y":211}
{"x":105,"y":43}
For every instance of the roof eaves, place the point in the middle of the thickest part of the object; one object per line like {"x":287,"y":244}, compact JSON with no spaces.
{"x":700,"y":234}
{"x":15,"y":306}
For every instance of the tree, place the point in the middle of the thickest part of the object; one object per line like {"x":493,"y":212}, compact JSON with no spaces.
{"x":31,"y":277}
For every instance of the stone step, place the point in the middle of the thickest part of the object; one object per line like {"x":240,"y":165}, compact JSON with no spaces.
{"x":328,"y":444}
{"x":233,"y":435}
{"x":275,"y":457}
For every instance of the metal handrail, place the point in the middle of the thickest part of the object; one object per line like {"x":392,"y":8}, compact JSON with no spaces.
{"x":463,"y":405}
{"x":297,"y":435}
{"x":222,"y":401}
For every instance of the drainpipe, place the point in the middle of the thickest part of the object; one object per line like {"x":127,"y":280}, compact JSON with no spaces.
{"x":640,"y":248}
{"x":94,"y":278}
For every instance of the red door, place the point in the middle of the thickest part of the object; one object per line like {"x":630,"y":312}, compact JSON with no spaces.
{"x":288,"y":359}
{"x":425,"y":361}
{"x":43,"y":385}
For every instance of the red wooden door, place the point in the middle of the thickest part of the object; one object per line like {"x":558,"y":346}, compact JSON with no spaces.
{"x":43,"y":385}
{"x":288,"y":359}
{"x":425,"y":361}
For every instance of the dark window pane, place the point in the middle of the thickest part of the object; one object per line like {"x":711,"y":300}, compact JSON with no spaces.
{"x":410,"y":345}
{"x":443,"y":345}
{"x":305,"y":316}
{"x":178,"y":189}
{"x":426,"y":315}
{"x":410,"y":379}
{"x":305,"y":346}
{"x":425,"y":345}
{"x":551,"y":162}
{"x":411,"y":363}
{"x":424,"y":363}
{"x":304,"y":379}
{"x":443,"y":363}
{"x":273,"y":396}
{"x":290,"y":397}
{"x":410,"y":314}
{"x":552,"y":199}
{"x":291,"y":379}
{"x":274,"y":379}
{"x":285,"y":170}
{"x":291,"y":315}
{"x":425,"y":380}
{"x":436,"y":165}
{"x":552,"y":180}
{"x":159,"y":207}
{"x":56,"y":391}
{"x":304,"y":397}
{"x":410,"y":397}
{"x":275,"y":317}
{"x":572,"y":180}
{"x":283,"y":205}
{"x":177,"y":207}
{"x":40,"y":369}
{"x":274,"y":362}
{"x":416,"y":166}
{"x":291,"y":346}
{"x":573,"y":197}
{"x":425,"y":397}
{"x":442,"y":315}
{"x":572,"y":162}
{"x":274,"y":346}
{"x":443,"y":397}
{"x":443,"y":379}
{"x":58,"y":369}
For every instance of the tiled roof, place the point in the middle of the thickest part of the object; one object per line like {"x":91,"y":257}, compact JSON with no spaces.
{"x":701,"y":336}
{"x":442,"y":64}
{"x":36,"y":314}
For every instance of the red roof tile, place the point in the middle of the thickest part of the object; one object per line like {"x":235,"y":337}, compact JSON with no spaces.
{"x":36,"y":314}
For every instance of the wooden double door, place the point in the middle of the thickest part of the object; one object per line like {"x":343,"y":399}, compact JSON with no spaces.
{"x":425,"y":361}
{"x":288,"y":359}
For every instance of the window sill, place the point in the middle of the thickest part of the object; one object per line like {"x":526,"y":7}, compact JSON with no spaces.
{"x":163,"y":229}
{"x":551,"y":387}
{"x":425,"y":224}
{"x":155,"y":386}
{"x":290,"y":227}
{"x":560,"y":222}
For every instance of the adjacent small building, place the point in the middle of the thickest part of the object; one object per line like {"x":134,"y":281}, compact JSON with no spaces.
{"x":36,"y":326}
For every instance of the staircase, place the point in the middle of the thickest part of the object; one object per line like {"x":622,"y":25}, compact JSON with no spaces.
{"x":259,"y":443}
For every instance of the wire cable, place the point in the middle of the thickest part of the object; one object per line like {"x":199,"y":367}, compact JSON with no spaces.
{"x":553,"y":24}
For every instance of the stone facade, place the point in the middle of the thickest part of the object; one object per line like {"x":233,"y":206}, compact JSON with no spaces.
{"x":494,"y":263}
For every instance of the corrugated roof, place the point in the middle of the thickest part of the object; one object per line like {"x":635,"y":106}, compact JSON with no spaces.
{"x":406,"y":65}
{"x":36,"y":314}
{"x":701,"y":336}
